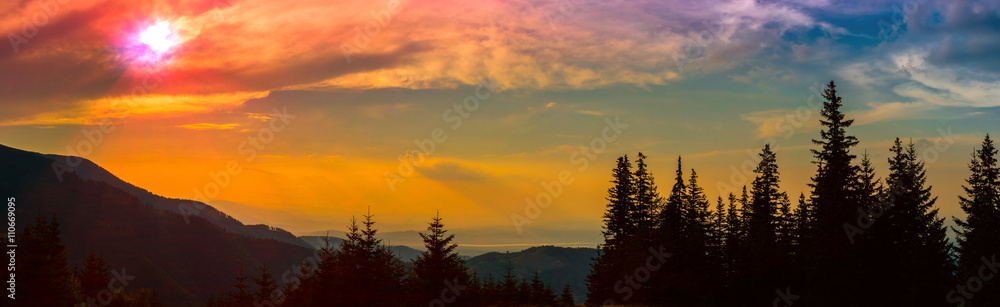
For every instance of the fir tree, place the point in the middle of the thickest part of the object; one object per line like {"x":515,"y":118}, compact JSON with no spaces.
{"x":566,"y":298}
{"x":46,"y":280}
{"x":831,"y":261}
{"x":365,"y":268}
{"x":909,"y":247}
{"x":619,"y":231}
{"x":267,"y":288}
{"x":979,"y":232}
{"x":94,"y":275}
{"x":437,"y":264}
{"x":647,"y":202}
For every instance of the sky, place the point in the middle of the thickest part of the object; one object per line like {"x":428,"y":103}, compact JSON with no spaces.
{"x":301,"y":114}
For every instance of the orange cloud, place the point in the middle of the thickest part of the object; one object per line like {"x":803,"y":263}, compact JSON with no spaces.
{"x":207,"y":126}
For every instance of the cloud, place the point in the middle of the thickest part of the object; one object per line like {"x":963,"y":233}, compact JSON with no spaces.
{"x":98,"y":111}
{"x":782,"y":122}
{"x":451,"y":171}
{"x":207,"y":126}
{"x":589,"y":112}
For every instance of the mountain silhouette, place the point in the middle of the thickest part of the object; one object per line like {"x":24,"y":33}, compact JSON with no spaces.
{"x":89,"y":170}
{"x":139,"y":234}
{"x":557,"y":266}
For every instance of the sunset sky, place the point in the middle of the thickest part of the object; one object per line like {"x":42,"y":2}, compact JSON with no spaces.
{"x":343,"y":88}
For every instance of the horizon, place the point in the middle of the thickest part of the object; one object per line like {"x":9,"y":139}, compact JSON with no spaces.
{"x":506,"y":119}
{"x":336,"y":147}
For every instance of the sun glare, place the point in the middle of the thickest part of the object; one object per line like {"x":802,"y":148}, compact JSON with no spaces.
{"x":158,"y":37}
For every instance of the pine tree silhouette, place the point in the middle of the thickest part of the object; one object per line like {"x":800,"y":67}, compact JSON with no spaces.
{"x":909,"y":247}
{"x":566,"y":298}
{"x":44,"y":278}
{"x":830,"y":258}
{"x":438,"y":264}
{"x":979,"y":232}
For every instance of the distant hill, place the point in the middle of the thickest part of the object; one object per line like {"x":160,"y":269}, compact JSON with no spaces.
{"x":480,"y":240}
{"x":557,"y":266}
{"x":89,"y":170}
{"x":185,"y":263}
{"x":403,"y":252}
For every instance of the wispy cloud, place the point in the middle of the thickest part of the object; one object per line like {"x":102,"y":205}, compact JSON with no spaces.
{"x":207,"y":126}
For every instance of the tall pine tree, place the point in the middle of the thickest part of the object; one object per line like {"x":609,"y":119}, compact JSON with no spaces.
{"x":612,"y":256}
{"x":908,"y":246}
{"x":437,"y":265}
{"x":979,"y":233}
{"x":830,"y":256}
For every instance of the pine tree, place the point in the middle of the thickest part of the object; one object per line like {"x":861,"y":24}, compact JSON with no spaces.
{"x":647,"y":202}
{"x":785,"y":230}
{"x":365,"y":268}
{"x":267,"y":288}
{"x":908,"y":241}
{"x":734,"y":239}
{"x":619,"y":234}
{"x":94,"y":275}
{"x":802,"y":221}
{"x":763,"y":258}
{"x":241,"y":296}
{"x":746,"y":212}
{"x":869,"y":187}
{"x":618,"y":223}
{"x":438,"y":263}
{"x":831,"y":262}
{"x":509,"y":287}
{"x":719,"y":233}
{"x":540,"y":294}
{"x":46,"y":279}
{"x":673,"y":219}
{"x":566,"y":298}
{"x":979,"y":232}
{"x":697,"y":216}
{"x":763,"y":222}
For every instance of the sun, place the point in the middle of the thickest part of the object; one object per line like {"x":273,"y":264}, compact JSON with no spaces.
{"x":158,"y":37}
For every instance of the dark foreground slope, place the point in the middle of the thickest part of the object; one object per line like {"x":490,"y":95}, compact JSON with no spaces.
{"x":185,"y":263}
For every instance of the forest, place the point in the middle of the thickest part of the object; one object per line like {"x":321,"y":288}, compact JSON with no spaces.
{"x":857,"y":239}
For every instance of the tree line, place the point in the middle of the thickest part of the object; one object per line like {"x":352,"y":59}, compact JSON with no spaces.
{"x":363,"y":271}
{"x":856,"y":240}
{"x":44,"y":277}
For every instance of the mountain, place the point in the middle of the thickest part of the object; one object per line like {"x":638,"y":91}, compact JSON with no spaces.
{"x":403,"y":252}
{"x":186,"y":261}
{"x":557,"y":266}
{"x":89,"y":170}
{"x":481,"y":240}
